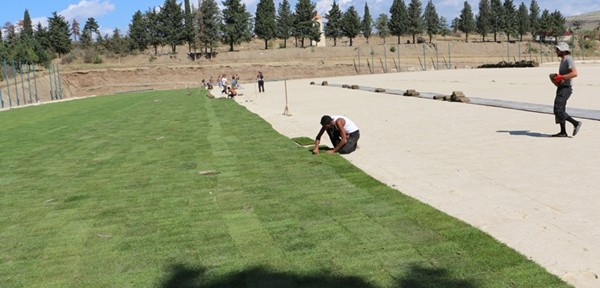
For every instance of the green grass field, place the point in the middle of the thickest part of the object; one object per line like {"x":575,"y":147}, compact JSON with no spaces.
{"x":173,"y":189}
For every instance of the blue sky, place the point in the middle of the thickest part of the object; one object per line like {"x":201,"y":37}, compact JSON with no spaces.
{"x":111,"y":14}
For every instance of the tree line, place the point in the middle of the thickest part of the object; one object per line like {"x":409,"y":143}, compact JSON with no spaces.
{"x":204,"y":27}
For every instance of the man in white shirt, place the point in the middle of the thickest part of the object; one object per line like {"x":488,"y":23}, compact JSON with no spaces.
{"x":342,"y":132}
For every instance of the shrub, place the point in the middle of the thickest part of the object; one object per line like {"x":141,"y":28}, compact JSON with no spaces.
{"x":393,"y":49}
{"x":98,"y":59}
{"x":68,"y":59}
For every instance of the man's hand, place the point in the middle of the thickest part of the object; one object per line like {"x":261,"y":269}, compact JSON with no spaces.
{"x":330,"y":151}
{"x":556,"y":79}
{"x":316,"y":150}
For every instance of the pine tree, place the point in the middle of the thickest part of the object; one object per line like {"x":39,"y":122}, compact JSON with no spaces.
{"x":398,"y":23}
{"x":510,"y":19}
{"x":382,"y":26}
{"x":117,"y":43}
{"x":466,"y":23}
{"x":60,"y":36}
{"x":138,"y":34}
{"x":483,"y":19}
{"x":209,"y":25}
{"x":522,"y":21}
{"x":351,"y":23}
{"x":333,"y":27}
{"x":443,"y":28}
{"x":236,"y":23}
{"x":303,"y":20}
{"x":43,"y":45}
{"x":91,"y":26}
{"x":558,"y":24}
{"x":155,"y":36}
{"x":171,"y":24}
{"x":432,"y":20}
{"x":265,"y":26}
{"x":366,"y":26}
{"x":75,"y":30}
{"x":27,"y":26}
{"x":285,"y":21}
{"x":415,"y":22}
{"x":496,"y":17}
{"x":534,"y":17}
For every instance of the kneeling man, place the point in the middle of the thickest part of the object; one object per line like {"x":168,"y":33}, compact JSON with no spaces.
{"x":342,"y":132}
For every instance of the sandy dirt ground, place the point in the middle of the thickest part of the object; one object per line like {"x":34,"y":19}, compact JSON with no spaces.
{"x":493,"y":168}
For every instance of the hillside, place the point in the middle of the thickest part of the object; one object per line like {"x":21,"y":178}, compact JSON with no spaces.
{"x":147,"y":71}
{"x":589,"y":21}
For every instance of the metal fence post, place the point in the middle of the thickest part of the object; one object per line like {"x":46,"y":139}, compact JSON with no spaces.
{"x":7,"y":83}
{"x":50,"y":79}
{"x":37,"y":99}
{"x":1,"y":99}
{"x":424,"y":59}
{"x":16,"y":87}
{"x":385,"y":59}
{"x":449,"y":57}
{"x":29,"y":84}
{"x":59,"y":81}
{"x":399,"y":66}
{"x":22,"y":83}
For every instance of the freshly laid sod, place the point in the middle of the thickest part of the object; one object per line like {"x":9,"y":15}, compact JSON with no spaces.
{"x":173,"y":189}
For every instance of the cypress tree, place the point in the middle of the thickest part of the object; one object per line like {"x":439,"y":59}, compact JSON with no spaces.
{"x":466,"y":23}
{"x":366,"y":26}
{"x":510,"y":19}
{"x":138,"y":34}
{"x":236,"y":23}
{"x":415,"y":22}
{"x":496,"y":17}
{"x":155,"y":37}
{"x":303,"y":20}
{"x":188,"y":18}
{"x":171,"y":24}
{"x":522,"y":21}
{"x":209,"y":25}
{"x":432,"y":20}
{"x":265,"y":26}
{"x":351,"y":23}
{"x":381,"y":24}
{"x":483,"y":19}
{"x":285,"y":21}
{"x":398,"y":23}
{"x":534,"y":17}
{"x":333,"y":27}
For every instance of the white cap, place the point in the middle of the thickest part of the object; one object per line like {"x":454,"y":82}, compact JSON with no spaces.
{"x":562,"y":46}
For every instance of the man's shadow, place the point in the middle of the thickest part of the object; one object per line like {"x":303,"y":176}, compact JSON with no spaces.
{"x":523,"y":133}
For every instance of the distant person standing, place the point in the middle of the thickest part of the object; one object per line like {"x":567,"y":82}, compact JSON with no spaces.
{"x":261,"y":82}
{"x":224,"y":83}
{"x":342,"y":132}
{"x":564,"y":89}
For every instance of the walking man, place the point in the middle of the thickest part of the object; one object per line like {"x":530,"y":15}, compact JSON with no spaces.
{"x":564,"y":89}
{"x":342,"y":132}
